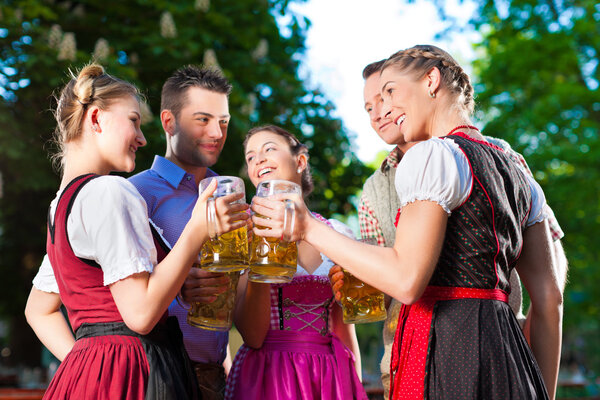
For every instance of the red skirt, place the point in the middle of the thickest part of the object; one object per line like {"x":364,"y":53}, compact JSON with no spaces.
{"x":462,"y":343}
{"x":109,"y":361}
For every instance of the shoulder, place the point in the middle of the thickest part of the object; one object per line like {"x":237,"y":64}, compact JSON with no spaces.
{"x":341,"y":227}
{"x":109,"y":190}
{"x":432,"y":153}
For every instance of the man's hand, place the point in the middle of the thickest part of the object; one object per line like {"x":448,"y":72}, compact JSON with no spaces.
{"x":203,"y":286}
{"x":336,"y":279}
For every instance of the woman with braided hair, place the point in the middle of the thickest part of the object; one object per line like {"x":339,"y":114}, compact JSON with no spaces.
{"x":469,"y":216}
{"x":105,"y":261}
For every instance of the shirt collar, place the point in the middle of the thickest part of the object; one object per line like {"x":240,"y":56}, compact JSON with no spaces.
{"x":392,"y":160}
{"x":173,"y":173}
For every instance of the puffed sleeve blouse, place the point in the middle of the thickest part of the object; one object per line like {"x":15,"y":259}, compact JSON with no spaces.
{"x":437,"y":170}
{"x":108,"y":224}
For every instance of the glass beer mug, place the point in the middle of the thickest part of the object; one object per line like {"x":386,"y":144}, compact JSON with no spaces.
{"x":274,"y":260}
{"x":361,"y":302}
{"x":218,"y":315}
{"x":227,"y":252}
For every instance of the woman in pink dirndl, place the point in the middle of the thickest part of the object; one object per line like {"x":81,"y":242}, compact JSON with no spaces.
{"x":296,"y":346}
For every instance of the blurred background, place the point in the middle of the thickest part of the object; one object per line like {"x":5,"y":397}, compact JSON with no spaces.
{"x":298,"y":64}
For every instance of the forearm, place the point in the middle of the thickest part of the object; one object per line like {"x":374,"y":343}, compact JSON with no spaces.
{"x":347,"y":335}
{"x":54,"y":333}
{"x":253,"y":313}
{"x":142,"y":299}
{"x":43,"y":315}
{"x":402,"y":271}
{"x":545,"y":339}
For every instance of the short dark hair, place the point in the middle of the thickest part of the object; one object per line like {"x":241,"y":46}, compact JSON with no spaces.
{"x":175,"y":87}
{"x":372,"y":68}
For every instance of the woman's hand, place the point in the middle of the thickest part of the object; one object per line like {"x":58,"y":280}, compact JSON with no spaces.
{"x":270,"y":218}
{"x":336,"y":279}
{"x":229,"y":215}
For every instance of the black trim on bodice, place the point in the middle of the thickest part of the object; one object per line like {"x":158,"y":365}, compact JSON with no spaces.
{"x":484,"y":235}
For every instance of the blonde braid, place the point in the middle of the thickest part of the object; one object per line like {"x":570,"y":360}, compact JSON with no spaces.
{"x":421,"y":58}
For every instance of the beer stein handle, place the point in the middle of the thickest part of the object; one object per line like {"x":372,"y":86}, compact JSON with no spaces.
{"x":211,"y":218}
{"x":288,"y":221}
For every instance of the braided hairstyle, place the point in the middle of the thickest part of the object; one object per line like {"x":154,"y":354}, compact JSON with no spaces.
{"x":420,"y":59}
{"x":296,"y":148}
{"x":90,"y":86}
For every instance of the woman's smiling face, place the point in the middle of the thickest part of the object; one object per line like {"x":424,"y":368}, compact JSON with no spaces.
{"x":268,"y":156}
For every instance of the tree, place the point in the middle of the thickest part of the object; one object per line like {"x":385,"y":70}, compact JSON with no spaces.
{"x":536,"y":86}
{"x":257,"y":43}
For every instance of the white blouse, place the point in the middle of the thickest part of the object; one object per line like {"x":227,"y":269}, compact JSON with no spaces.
{"x":323,"y":269}
{"x":108,"y":224}
{"x":437,"y":170}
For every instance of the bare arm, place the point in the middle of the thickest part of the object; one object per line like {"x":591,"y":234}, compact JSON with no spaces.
{"x":402,"y":271}
{"x":252,"y":315}
{"x":536,"y":268}
{"x":347,"y":335}
{"x":143,"y":298}
{"x":43,"y":315}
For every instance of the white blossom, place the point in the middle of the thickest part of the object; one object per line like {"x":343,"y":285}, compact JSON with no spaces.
{"x":262,"y":49}
{"x":250,"y":106}
{"x":202,"y":5}
{"x":134,"y":58}
{"x":167,"y":26}
{"x":210,"y":59}
{"x":79,"y":11}
{"x":101,"y":49}
{"x":68,"y":47}
{"x":55,"y":36}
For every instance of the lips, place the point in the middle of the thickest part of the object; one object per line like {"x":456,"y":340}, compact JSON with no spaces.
{"x":264,"y":171}
{"x":400,"y":119}
{"x":383,"y":126}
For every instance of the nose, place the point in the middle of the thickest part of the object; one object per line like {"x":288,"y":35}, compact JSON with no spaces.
{"x":214,"y":130}
{"x":141,"y":139}
{"x":385,"y":110}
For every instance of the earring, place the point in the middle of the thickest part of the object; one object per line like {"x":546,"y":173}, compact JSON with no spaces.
{"x":299,"y":170}
{"x":432,"y":94}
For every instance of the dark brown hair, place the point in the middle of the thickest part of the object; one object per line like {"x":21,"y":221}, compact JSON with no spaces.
{"x":296,"y":148}
{"x":373,"y":68}
{"x":174,"y":90}
{"x":420,"y":59}
{"x":90,"y":86}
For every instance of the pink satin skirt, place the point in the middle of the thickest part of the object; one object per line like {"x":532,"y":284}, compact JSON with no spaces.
{"x":295,"y":365}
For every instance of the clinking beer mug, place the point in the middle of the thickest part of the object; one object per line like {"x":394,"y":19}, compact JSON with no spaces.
{"x":273,"y":260}
{"x":361,"y":302}
{"x":227,"y":252}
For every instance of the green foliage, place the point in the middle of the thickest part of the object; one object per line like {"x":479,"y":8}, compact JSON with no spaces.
{"x":537,"y":87}
{"x":257,"y":43}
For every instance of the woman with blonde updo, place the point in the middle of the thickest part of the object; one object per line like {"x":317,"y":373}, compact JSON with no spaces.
{"x":105,"y":261}
{"x":469,"y":216}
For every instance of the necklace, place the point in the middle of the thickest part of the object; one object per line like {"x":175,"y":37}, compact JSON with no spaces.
{"x":462,"y":127}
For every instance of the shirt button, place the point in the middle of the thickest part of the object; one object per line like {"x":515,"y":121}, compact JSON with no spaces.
{"x":189,"y":178}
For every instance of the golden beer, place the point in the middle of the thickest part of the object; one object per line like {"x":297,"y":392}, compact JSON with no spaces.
{"x":226,"y":253}
{"x":218,"y":315}
{"x":271,"y":260}
{"x":361,"y":302}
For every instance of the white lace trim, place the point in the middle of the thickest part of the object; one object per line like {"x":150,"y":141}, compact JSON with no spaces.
{"x":134,"y":266}
{"x":437,"y":198}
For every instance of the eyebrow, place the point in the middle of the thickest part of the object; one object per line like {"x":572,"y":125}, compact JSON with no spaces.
{"x":269,"y":142}
{"x":383,"y":87}
{"x":209,"y":114}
